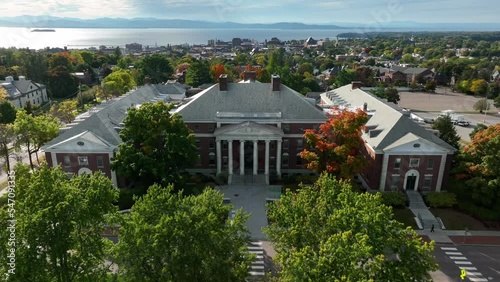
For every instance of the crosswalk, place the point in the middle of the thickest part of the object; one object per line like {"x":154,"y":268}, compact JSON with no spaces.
{"x":257,"y":268}
{"x":461,"y":261}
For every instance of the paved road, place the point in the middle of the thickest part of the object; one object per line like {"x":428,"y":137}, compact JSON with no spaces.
{"x":14,"y":157}
{"x":480,"y":263}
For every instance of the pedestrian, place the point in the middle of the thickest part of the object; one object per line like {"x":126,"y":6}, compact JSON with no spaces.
{"x":432,"y":228}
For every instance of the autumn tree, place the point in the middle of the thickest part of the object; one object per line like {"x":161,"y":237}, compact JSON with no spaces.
{"x":447,"y":131}
{"x":479,"y":87}
{"x":65,"y":111}
{"x":481,"y":105}
{"x":172,"y":237}
{"x":59,"y":222}
{"x":334,"y":147}
{"x":157,"y":145}
{"x":477,"y":128}
{"x":216,"y":71}
{"x":328,"y":232}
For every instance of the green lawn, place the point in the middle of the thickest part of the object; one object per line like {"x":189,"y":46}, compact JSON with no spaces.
{"x":405,"y":216}
{"x":455,"y":220}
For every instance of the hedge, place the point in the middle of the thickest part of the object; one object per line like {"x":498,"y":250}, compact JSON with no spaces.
{"x":394,"y":199}
{"x":441,"y":199}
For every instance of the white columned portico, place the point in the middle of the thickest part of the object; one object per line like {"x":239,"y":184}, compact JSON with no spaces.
{"x":278,"y":159}
{"x":383,"y":176}
{"x":442,"y":165}
{"x":230,"y":157}
{"x":242,"y":157}
{"x":266,"y":168}
{"x":219,"y":156}
{"x":255,"y":157}
{"x":54,"y":158}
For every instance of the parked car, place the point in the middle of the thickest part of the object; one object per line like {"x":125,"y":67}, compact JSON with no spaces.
{"x":463,"y":123}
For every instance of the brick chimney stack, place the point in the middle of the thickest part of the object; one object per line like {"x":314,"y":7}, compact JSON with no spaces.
{"x":223,"y":82}
{"x":276,"y":82}
{"x":148,"y":80}
{"x":356,"y":84}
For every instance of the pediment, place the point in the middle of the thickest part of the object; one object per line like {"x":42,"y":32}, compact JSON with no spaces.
{"x":414,"y":145}
{"x":83,"y":142}
{"x":249,"y":129}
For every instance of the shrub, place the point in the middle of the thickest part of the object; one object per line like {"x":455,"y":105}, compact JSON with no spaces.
{"x":221,"y":178}
{"x":441,"y":199}
{"x":3,"y":200}
{"x":394,"y":199}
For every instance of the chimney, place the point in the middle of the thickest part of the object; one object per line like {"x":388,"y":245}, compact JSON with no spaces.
{"x":365,"y":107}
{"x":9,"y":79}
{"x":147,"y":80}
{"x":356,"y":85}
{"x":249,"y":75}
{"x":275,"y":82}
{"x":22,"y":78}
{"x":223,"y":82}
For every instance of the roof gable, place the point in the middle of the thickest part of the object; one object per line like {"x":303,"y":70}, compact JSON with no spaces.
{"x":411,"y":144}
{"x":83,"y":142}
{"x":248,"y":131}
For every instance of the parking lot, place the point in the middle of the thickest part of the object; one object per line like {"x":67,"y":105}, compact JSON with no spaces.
{"x":428,"y":106}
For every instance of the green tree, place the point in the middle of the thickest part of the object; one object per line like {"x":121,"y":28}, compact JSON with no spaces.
{"x":62,"y":83}
{"x":333,"y":148}
{"x":6,"y":137}
{"x":408,"y":59}
{"x":496,"y":102}
{"x":7,"y":112}
{"x":305,"y":67}
{"x":156,"y":67}
{"x":447,"y":131}
{"x":345,"y":77}
{"x":59,"y":222}
{"x":392,"y":95}
{"x":157,"y":145}
{"x":172,"y":237}
{"x":479,"y":87}
{"x":198,"y":73}
{"x":482,"y":105}
{"x":328,"y":232}
{"x":33,"y":132}
{"x":118,"y":82}
{"x":430,"y":85}
{"x":65,"y":111}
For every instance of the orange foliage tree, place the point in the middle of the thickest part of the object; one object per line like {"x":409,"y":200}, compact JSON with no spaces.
{"x":217,"y":70}
{"x":334,"y":147}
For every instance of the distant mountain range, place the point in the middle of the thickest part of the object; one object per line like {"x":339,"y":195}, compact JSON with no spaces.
{"x":56,"y":22}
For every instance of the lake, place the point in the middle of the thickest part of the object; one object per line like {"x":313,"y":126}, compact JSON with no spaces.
{"x":79,"y":38}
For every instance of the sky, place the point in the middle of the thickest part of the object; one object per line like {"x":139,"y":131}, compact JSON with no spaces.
{"x":265,"y":11}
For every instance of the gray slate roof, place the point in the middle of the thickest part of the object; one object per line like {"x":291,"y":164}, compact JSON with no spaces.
{"x":169,"y":88}
{"x":250,"y":98}
{"x":391,"y":122}
{"x":19,"y":87}
{"x":103,"y":123}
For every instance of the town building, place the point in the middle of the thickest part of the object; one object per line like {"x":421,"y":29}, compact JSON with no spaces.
{"x":402,"y":154}
{"x":23,"y":90}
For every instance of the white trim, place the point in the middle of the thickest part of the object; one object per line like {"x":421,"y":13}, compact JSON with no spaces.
{"x":219,"y":154}
{"x":54,"y":158}
{"x":278,"y":159}
{"x":242,"y":157}
{"x":255,"y":157}
{"x":416,"y":181}
{"x":442,"y":166}
{"x":383,"y":173}
{"x":230,"y":156}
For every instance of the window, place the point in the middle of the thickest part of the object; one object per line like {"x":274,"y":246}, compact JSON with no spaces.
{"x":198,"y":144}
{"x":211,"y":144}
{"x":427,"y":181}
{"x":301,"y":129}
{"x":211,"y":128}
{"x":224,"y":162}
{"x":67,"y":161}
{"x":300,"y":144}
{"x":414,"y":162}
{"x":83,"y":161}
{"x":397,"y":163}
{"x":196,"y":128}
{"x":224,"y":145}
{"x":273,"y":145}
{"x":272,"y":162}
{"x":298,"y":160}
{"x":286,"y":128}
{"x":430,"y":163}
{"x":395,"y":181}
{"x":286,"y":144}
{"x":100,"y":161}
{"x":198,"y":161}
{"x":285,"y":160}
{"x":211,"y":159}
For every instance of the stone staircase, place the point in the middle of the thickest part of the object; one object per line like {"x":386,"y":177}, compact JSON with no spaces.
{"x":257,"y":269}
{"x":248,"y":179}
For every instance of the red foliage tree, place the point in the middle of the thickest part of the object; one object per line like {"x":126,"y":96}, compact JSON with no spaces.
{"x":334,"y":147}
{"x":217,"y":70}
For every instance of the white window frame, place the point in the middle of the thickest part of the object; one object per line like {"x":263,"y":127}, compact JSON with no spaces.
{"x":413,"y":160}
{"x":83,"y":161}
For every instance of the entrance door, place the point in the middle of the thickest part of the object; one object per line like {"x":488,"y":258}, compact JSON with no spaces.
{"x":248,"y":157}
{"x":410,"y":182}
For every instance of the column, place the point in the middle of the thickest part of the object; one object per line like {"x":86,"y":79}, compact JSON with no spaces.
{"x":242,"y":157}
{"x":54,"y":159}
{"x":383,"y":172}
{"x":255,"y":157}
{"x":230,"y":157}
{"x":219,"y":156}
{"x":266,"y":171}
{"x":442,"y":166}
{"x":278,"y":159}
{"x":113,"y":173}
